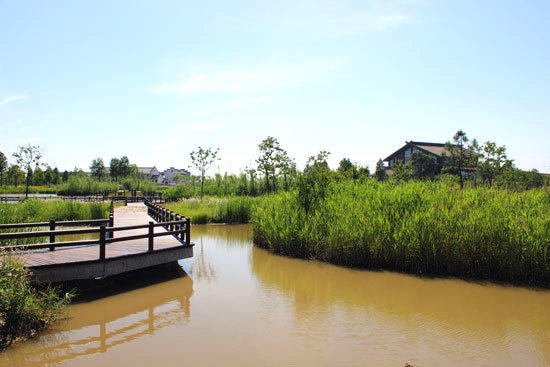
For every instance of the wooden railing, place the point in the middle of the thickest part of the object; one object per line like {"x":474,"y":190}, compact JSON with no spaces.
{"x":180,"y":229}
{"x":161,"y":214}
{"x":156,"y":198}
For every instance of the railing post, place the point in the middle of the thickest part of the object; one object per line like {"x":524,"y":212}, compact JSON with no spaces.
{"x":52,"y":236}
{"x":101,"y":242}
{"x":111,"y":224}
{"x":172,"y":218}
{"x":188,"y":231}
{"x":151,"y":236}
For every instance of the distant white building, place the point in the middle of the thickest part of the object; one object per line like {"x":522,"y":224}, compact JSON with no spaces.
{"x":167,"y":177}
{"x":151,"y":173}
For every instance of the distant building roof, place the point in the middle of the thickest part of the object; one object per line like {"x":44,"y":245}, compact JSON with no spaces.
{"x":433,"y":148}
{"x":146,"y":170}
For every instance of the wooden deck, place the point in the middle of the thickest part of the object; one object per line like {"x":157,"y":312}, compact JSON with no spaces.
{"x":82,"y":262}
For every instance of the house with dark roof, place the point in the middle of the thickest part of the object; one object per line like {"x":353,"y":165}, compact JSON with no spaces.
{"x":404,"y":153}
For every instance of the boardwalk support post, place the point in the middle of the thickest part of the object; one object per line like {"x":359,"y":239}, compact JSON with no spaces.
{"x":52,"y":236}
{"x":102,"y":242}
{"x":188,"y":232}
{"x":151,"y":229}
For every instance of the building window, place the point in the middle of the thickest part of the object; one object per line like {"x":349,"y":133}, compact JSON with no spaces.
{"x":407,"y":155}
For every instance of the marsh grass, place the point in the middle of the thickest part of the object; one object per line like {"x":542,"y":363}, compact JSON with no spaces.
{"x":24,"y":309}
{"x":236,"y":209}
{"x":32,"y":190}
{"x":38,"y":210}
{"x":79,"y":185}
{"x":417,"y":227}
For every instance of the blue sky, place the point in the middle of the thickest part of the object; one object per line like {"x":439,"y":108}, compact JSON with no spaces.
{"x":153,"y":80}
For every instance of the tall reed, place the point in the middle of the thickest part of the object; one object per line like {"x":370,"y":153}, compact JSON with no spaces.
{"x":418,"y":227}
{"x":235,"y":209}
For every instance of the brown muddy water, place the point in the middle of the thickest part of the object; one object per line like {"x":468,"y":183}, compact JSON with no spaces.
{"x":238,"y":305}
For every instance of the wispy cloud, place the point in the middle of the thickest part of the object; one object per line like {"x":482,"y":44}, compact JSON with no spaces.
{"x":12,"y":98}
{"x":245,"y":81}
{"x":335,"y":18}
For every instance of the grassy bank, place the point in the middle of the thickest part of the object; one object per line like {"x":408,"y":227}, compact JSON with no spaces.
{"x":235,"y":209}
{"x":37,"y":210}
{"x":417,"y":227}
{"x":32,"y":190}
{"x":24,"y":309}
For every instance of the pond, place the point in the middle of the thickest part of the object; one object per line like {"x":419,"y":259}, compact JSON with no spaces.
{"x":234,"y":304}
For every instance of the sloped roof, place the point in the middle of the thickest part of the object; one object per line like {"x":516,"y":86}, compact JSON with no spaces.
{"x":145,"y":170}
{"x":433,"y":148}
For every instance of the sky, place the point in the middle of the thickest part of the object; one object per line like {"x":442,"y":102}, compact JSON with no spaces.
{"x":154,"y":80}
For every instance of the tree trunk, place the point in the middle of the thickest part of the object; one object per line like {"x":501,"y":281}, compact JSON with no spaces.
{"x":27,"y":185}
{"x":202,"y":184}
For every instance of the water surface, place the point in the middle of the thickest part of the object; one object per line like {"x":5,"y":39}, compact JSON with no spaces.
{"x":236,"y":305}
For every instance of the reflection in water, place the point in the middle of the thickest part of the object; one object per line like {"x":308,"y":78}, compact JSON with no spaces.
{"x":253,"y":308}
{"x":110,"y":312}
{"x":485,"y":317}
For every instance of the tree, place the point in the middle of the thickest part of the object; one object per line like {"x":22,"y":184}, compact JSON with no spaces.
{"x":177,"y":178}
{"x":3,"y":167}
{"x":97,"y":169}
{"x":380,"y":172}
{"x":493,"y":162}
{"x":38,"y":178}
{"x":312,"y":184}
{"x":65,"y":176}
{"x":202,"y":160}
{"x":460,"y":157}
{"x":287,"y":168}
{"x":114,"y":168}
{"x":124,"y":166}
{"x":271,"y":156}
{"x":345,"y":165}
{"x":15,"y":174}
{"x":423,"y":165}
{"x":251,"y":171}
{"x":27,"y":157}
{"x":401,"y":171}
{"x":55,"y":180}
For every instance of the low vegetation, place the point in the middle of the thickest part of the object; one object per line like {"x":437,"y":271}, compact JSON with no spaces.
{"x":417,"y":227}
{"x":25,"y":309}
{"x":235,"y":209}
{"x":37,"y":210}
{"x":32,"y":190}
{"x":82,"y":185}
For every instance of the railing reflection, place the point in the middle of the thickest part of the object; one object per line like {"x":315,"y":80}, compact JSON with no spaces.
{"x":106,"y":316}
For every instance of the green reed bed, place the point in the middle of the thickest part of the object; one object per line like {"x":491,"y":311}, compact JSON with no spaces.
{"x":235,"y":209}
{"x":79,"y":185}
{"x":39,"y":210}
{"x":417,"y":227}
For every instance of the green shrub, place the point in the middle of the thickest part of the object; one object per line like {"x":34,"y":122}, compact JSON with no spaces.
{"x":25,"y":310}
{"x":176,"y":193}
{"x":418,"y":227}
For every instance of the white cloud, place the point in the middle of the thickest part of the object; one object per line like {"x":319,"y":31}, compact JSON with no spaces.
{"x":245,"y":81}
{"x":12,"y":98}
{"x":336,"y":18}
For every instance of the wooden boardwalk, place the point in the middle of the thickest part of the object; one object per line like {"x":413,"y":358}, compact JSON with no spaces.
{"x":84,"y":262}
